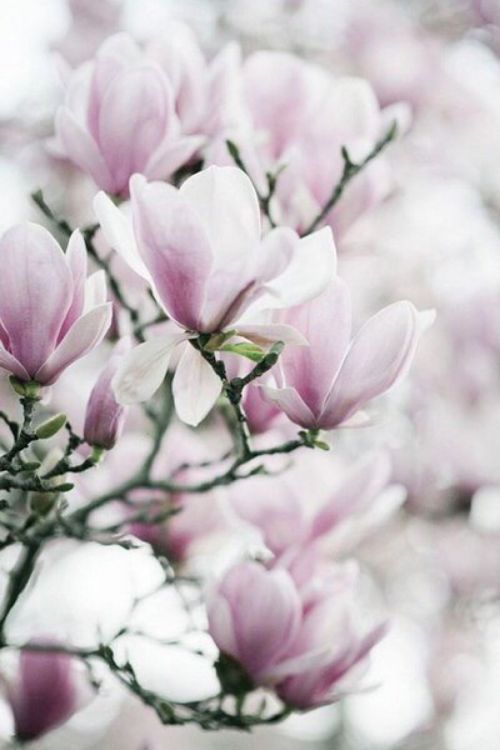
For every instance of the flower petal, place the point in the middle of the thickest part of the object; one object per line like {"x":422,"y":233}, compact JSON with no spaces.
{"x":225,"y":202}
{"x":379,"y":356}
{"x":10,"y":363}
{"x":143,"y":369}
{"x":81,"y":149}
{"x":35,"y":293}
{"x":76,"y":256}
{"x":289,"y":401}
{"x":174,"y":247}
{"x":311,"y":268}
{"x":85,"y":334}
{"x":195,"y":387}
{"x":119,"y":233}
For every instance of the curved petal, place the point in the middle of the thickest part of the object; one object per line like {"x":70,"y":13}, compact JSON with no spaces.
{"x":81,"y":149}
{"x":174,"y":247}
{"x":379,"y":356}
{"x":226,"y":204}
{"x":171,"y":155}
{"x":143,"y":369}
{"x":85,"y":334}
{"x":10,"y":363}
{"x":195,"y":387}
{"x":289,"y":402}
{"x":119,"y":233}
{"x":35,"y":293}
{"x":326,"y":324}
{"x":133,"y":118}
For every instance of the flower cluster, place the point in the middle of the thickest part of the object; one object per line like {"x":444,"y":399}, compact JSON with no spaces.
{"x":221,"y":296}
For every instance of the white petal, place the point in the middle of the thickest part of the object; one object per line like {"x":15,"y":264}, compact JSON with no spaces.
{"x":144,"y":368}
{"x":96,"y":292}
{"x":196,"y":387}
{"x":310,"y":270}
{"x":118,"y":231}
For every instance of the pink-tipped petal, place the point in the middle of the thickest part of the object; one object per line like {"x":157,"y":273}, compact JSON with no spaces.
{"x":174,"y":247}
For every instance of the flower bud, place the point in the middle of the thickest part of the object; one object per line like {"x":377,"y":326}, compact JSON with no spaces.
{"x":50,"y":427}
{"x":49,"y":689}
{"x":104,"y":417}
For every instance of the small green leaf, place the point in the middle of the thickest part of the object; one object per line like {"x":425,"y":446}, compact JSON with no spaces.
{"x":49,"y":428}
{"x":250,"y":351}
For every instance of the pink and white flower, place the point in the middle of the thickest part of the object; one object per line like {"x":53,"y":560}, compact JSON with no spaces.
{"x":50,"y":313}
{"x":201,"y":249}
{"x":119,"y":118}
{"x":326,"y":384}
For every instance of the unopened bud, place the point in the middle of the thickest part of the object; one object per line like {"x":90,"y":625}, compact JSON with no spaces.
{"x":52,"y":426}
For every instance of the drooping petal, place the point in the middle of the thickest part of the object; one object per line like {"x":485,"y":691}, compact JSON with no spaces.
{"x":119,"y":233}
{"x":174,"y":247}
{"x":144,"y":368}
{"x":195,"y":387}
{"x":35,"y":293}
{"x":289,"y":401}
{"x":85,"y":334}
{"x":379,"y":355}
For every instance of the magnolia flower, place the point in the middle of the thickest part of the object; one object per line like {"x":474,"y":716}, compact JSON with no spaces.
{"x":104,"y":417}
{"x":50,"y":314}
{"x":201,"y":250}
{"x":237,"y":623}
{"x":207,"y":94}
{"x":326,"y":384}
{"x":119,"y":118}
{"x":308,"y":653}
{"x":49,"y":689}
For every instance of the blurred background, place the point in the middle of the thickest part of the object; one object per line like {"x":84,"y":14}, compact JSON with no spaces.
{"x":435,"y":239}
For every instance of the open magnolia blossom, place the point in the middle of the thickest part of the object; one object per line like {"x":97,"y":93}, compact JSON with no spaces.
{"x":201,"y":249}
{"x":326,"y":384}
{"x":119,"y":118}
{"x":309,"y":652}
{"x":50,"y":313}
